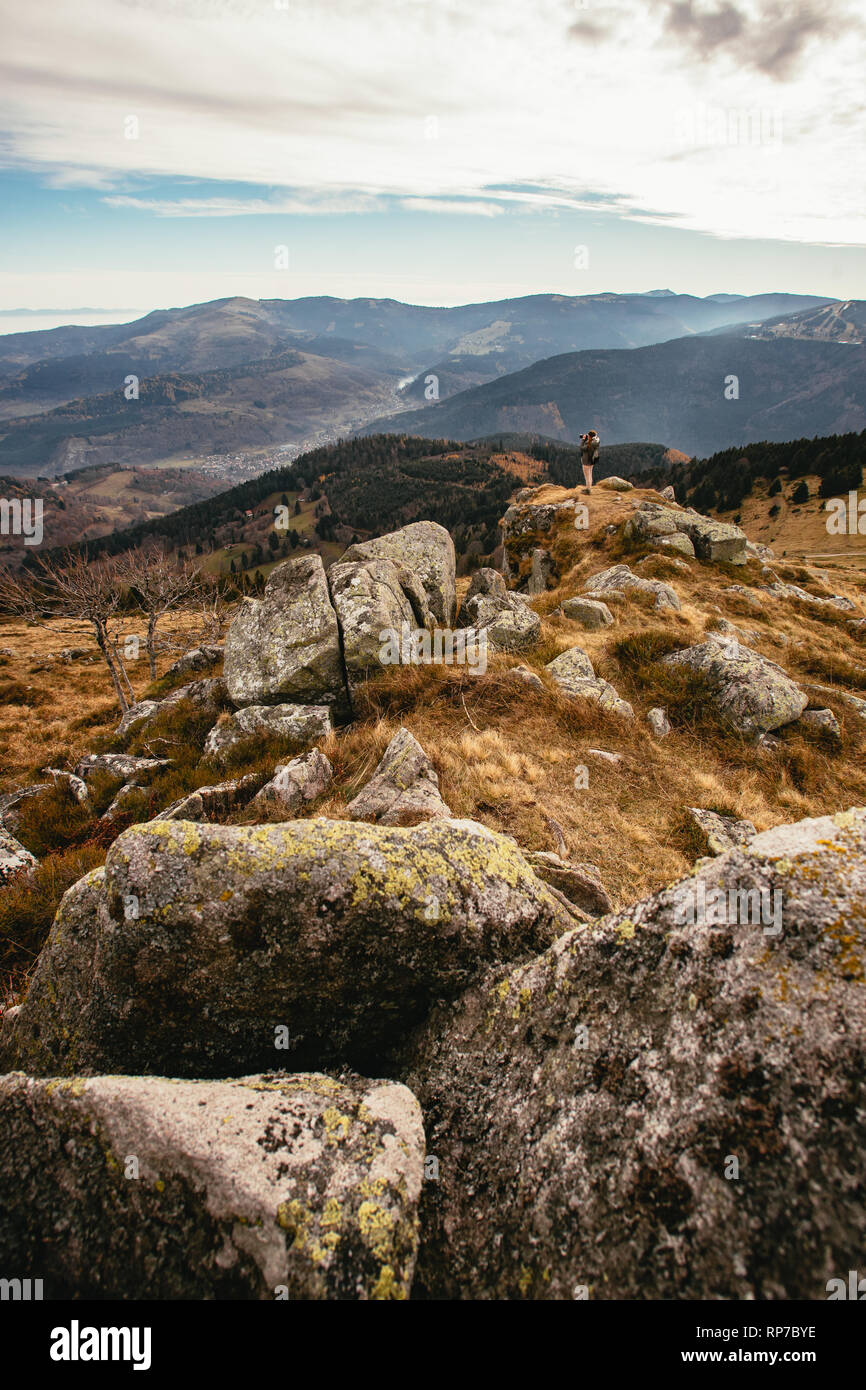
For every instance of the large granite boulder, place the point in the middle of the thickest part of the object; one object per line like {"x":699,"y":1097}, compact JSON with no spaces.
{"x":372,"y":600}
{"x":712,"y":540}
{"x":667,"y":1104}
{"x":265,"y":1187}
{"x":404,"y":789}
{"x":285,"y":647}
{"x":751,"y":694}
{"x":426,"y":550}
{"x":195,"y":940}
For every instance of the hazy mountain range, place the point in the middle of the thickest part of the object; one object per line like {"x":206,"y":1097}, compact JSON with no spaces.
{"x":240,"y":374}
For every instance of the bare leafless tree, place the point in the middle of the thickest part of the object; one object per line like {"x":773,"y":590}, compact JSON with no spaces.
{"x":69,"y":585}
{"x":159,"y":583}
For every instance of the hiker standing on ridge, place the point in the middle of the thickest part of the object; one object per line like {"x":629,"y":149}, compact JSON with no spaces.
{"x":589,"y":444}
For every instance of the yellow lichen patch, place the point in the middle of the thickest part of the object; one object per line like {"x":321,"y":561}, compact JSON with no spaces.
{"x":387,"y":1286}
{"x":377,"y":1228}
{"x":333,"y":1213}
{"x":625,"y":930}
{"x":337,"y":1126}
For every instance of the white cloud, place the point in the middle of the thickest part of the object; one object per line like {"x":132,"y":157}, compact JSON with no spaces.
{"x":467,"y":105}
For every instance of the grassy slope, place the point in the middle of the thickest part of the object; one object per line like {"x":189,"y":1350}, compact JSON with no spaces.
{"x":507,"y":755}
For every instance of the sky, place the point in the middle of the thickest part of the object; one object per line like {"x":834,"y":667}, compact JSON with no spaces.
{"x":164,"y":152}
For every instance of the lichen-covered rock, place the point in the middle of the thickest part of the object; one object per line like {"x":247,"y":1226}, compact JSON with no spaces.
{"x":616,"y":484}
{"x":844,"y":605}
{"x":426,"y":550}
{"x":525,"y":676}
{"x":678,"y":542}
{"x":712,"y":540}
{"x":507,"y":620}
{"x":574,"y":674}
{"x":372,"y":600}
{"x":296,"y":783}
{"x":301,"y":724}
{"x":619,"y":577}
{"x":822,"y":721}
{"x":197,"y":659}
{"x":721,"y":833}
{"x":751,"y":694}
{"x":197,"y":940}
{"x":124,"y":767}
{"x":667,"y":1104}
{"x":579,"y":882}
{"x":486,"y":581}
{"x":591,"y":613}
{"x":542,"y":573}
{"x":137,"y":716}
{"x":285,"y":647}
{"x":217,"y":800}
{"x":404,"y":789}
{"x":14,"y":858}
{"x":658,"y":721}
{"x":76,"y":786}
{"x":264,"y":1187}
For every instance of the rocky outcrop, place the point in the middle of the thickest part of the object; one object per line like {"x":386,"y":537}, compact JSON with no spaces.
{"x":426,"y":550}
{"x":295,"y":784}
{"x":663,"y":1105}
{"x":838,"y":601}
{"x":265,"y":1187}
{"x":751,"y":694}
{"x":196,"y":940}
{"x":709,"y":539}
{"x":619,"y":578}
{"x":574,"y":674}
{"x":14,"y":858}
{"x":285,"y":647}
{"x":300,"y":724}
{"x":404,"y":789}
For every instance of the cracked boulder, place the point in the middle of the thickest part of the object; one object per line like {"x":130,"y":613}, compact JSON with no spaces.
{"x":404,"y":789}
{"x":195,"y":941}
{"x":426,"y":550}
{"x":751,"y":694}
{"x":274,"y":1186}
{"x":374,"y":599}
{"x":284,"y":648}
{"x":668,"y":1103}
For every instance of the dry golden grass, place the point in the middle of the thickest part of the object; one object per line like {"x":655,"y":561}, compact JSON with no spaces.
{"x":507,"y":754}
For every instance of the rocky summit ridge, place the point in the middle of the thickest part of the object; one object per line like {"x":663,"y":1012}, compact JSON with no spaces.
{"x":270,"y":1051}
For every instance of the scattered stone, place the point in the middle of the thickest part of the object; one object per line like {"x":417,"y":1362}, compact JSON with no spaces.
{"x":658,"y":721}
{"x":303,"y":724}
{"x":217,"y":800}
{"x":794,"y":591}
{"x":125,"y":767}
{"x":526,"y":676}
{"x":751,"y":694}
{"x":616,"y":484}
{"x":822,"y":721}
{"x":137,"y":717}
{"x":295,"y":784}
{"x":590,"y":613}
{"x":14,"y":858}
{"x":574,"y":674}
{"x":404,"y":789}
{"x":580,"y":883}
{"x":585,"y":1106}
{"x":426,"y":550}
{"x":510,"y":624}
{"x":619,"y":577}
{"x":195,"y":940}
{"x":721,"y":832}
{"x":197,"y":659}
{"x":603,"y":756}
{"x":285,"y":647}
{"x":486,"y":581}
{"x":302,"y":1187}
